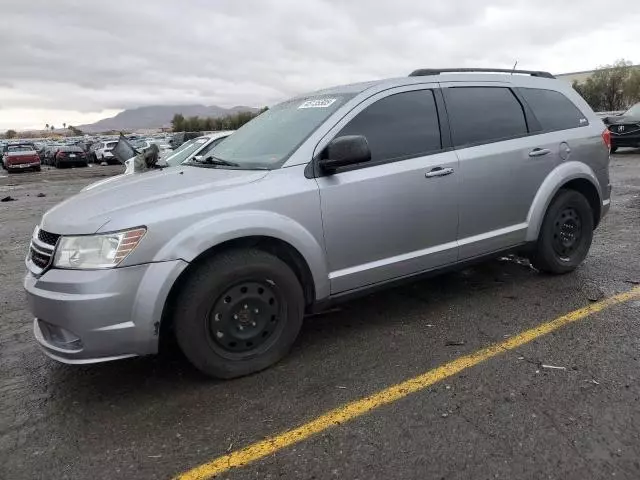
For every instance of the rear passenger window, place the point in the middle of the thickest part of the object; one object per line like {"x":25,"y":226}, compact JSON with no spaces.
{"x":483,"y":115}
{"x":553,"y":110}
{"x":399,"y":126}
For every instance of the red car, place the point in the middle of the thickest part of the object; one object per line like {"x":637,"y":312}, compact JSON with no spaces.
{"x":21,"y":156}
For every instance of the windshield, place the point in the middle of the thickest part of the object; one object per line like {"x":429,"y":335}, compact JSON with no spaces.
{"x":185,"y":150}
{"x":268,"y":140}
{"x":633,"y":111}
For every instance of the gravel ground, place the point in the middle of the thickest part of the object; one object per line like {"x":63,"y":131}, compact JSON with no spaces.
{"x":506,"y":418}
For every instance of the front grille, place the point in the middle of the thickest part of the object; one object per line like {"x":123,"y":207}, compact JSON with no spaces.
{"x":39,"y":259}
{"x":41,"y":250}
{"x":48,"y":238}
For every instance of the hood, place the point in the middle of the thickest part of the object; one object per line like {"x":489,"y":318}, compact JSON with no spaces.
{"x":95,"y":206}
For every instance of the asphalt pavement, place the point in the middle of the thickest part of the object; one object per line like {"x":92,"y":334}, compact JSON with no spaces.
{"x":507,"y":417}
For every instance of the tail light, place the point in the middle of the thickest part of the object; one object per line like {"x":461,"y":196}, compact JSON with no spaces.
{"x":606,"y":138}
{"x":61,"y":154}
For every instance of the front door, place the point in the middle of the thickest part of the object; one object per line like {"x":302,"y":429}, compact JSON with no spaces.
{"x":396,"y":215}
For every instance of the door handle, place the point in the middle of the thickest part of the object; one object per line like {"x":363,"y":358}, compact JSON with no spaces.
{"x":438,"y":172}
{"x":539,"y":152}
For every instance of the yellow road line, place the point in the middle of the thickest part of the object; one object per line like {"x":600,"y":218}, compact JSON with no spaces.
{"x":357,"y":408}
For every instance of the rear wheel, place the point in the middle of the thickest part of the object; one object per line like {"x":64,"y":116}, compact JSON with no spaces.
{"x":613,"y":149}
{"x":565,"y":235}
{"x":238,"y":313}
{"x":36,"y":169}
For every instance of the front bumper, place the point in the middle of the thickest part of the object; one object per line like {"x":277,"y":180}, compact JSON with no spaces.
{"x":88,"y":316}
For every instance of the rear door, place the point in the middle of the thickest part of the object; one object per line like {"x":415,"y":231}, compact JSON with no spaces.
{"x":503,"y":162}
{"x":397,"y":214}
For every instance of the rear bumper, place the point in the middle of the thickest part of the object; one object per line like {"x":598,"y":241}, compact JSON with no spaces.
{"x":22,"y":166}
{"x":100,"y":315}
{"x":632,"y":140}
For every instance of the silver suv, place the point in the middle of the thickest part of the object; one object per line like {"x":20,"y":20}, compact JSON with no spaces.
{"x":321,"y":197}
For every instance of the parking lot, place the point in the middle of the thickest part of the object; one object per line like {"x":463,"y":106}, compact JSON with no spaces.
{"x":560,"y":404}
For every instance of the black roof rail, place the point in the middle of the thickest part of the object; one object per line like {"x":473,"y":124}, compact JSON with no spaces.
{"x":437,"y":71}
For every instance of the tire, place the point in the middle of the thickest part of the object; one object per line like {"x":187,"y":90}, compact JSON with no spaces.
{"x":257,"y":287}
{"x":613,"y":149}
{"x":56,"y":164}
{"x":565,"y":235}
{"x":36,"y":169}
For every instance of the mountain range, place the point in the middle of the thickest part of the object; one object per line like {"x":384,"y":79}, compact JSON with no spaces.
{"x":157,"y":116}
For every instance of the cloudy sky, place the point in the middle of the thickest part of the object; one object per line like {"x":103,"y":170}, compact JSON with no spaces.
{"x":77,"y":61}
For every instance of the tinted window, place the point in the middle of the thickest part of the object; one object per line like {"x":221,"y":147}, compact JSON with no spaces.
{"x":484,"y":114}
{"x":553,"y":110}
{"x":400,"y":125}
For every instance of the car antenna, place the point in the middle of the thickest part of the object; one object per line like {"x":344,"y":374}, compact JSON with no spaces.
{"x":514,"y":67}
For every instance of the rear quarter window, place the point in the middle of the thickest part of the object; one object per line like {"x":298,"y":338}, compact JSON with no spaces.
{"x":553,"y":109}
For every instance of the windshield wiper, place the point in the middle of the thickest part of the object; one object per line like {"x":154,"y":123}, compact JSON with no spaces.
{"x":211,"y":160}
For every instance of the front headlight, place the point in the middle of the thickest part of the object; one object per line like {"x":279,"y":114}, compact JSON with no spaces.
{"x":97,"y":251}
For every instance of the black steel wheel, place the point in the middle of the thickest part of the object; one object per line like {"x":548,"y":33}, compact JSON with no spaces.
{"x":566,"y":234}
{"x":238,"y":313}
{"x":244,"y":317}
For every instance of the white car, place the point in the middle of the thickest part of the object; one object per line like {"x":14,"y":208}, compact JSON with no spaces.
{"x":103,"y":152}
{"x":197,"y":147}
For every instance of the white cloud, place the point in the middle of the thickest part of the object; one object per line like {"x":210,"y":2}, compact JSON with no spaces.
{"x":70,"y":59}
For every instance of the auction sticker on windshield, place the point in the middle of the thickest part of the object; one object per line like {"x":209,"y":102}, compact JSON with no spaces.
{"x":318,"y":103}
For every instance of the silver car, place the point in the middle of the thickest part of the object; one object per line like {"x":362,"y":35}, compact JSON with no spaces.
{"x":320,"y":198}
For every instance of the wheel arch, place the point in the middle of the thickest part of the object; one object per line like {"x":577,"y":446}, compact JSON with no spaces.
{"x":272,"y":245}
{"x":573,"y":176}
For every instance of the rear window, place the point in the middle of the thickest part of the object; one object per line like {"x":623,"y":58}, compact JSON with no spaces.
{"x":553,"y":110}
{"x":21,"y":148}
{"x":484,"y":114}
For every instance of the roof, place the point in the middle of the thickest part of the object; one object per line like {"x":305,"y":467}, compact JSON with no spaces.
{"x":468,"y":75}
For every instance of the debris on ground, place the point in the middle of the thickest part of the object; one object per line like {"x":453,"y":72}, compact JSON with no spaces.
{"x":633,"y":281}
{"x":41,"y":195}
{"x":595,"y":382}
{"x":454,"y":343}
{"x":8,"y":198}
{"x":592,"y":292}
{"x":553,"y":367}
{"x":342,"y":387}
{"x":445,"y":415}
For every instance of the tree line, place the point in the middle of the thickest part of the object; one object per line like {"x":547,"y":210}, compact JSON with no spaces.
{"x":611,"y":87}
{"x":204,"y":124}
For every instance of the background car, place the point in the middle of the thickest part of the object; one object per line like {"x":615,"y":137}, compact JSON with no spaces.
{"x":50,"y":153}
{"x":625,"y":128}
{"x":103,"y":153}
{"x":70,"y":156}
{"x":197,"y":147}
{"x":21,"y":156}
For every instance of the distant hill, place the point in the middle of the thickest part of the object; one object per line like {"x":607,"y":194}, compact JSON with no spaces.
{"x":157,"y":116}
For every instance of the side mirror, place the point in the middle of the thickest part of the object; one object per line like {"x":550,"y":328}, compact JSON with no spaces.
{"x":344,"y":151}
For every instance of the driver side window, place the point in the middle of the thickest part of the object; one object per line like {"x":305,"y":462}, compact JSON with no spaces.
{"x":400,"y":126}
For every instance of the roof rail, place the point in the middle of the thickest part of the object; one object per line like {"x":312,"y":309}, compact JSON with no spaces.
{"x":437,"y":71}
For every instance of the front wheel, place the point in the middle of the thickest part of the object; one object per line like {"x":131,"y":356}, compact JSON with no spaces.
{"x":565,"y":235}
{"x":238,"y":313}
